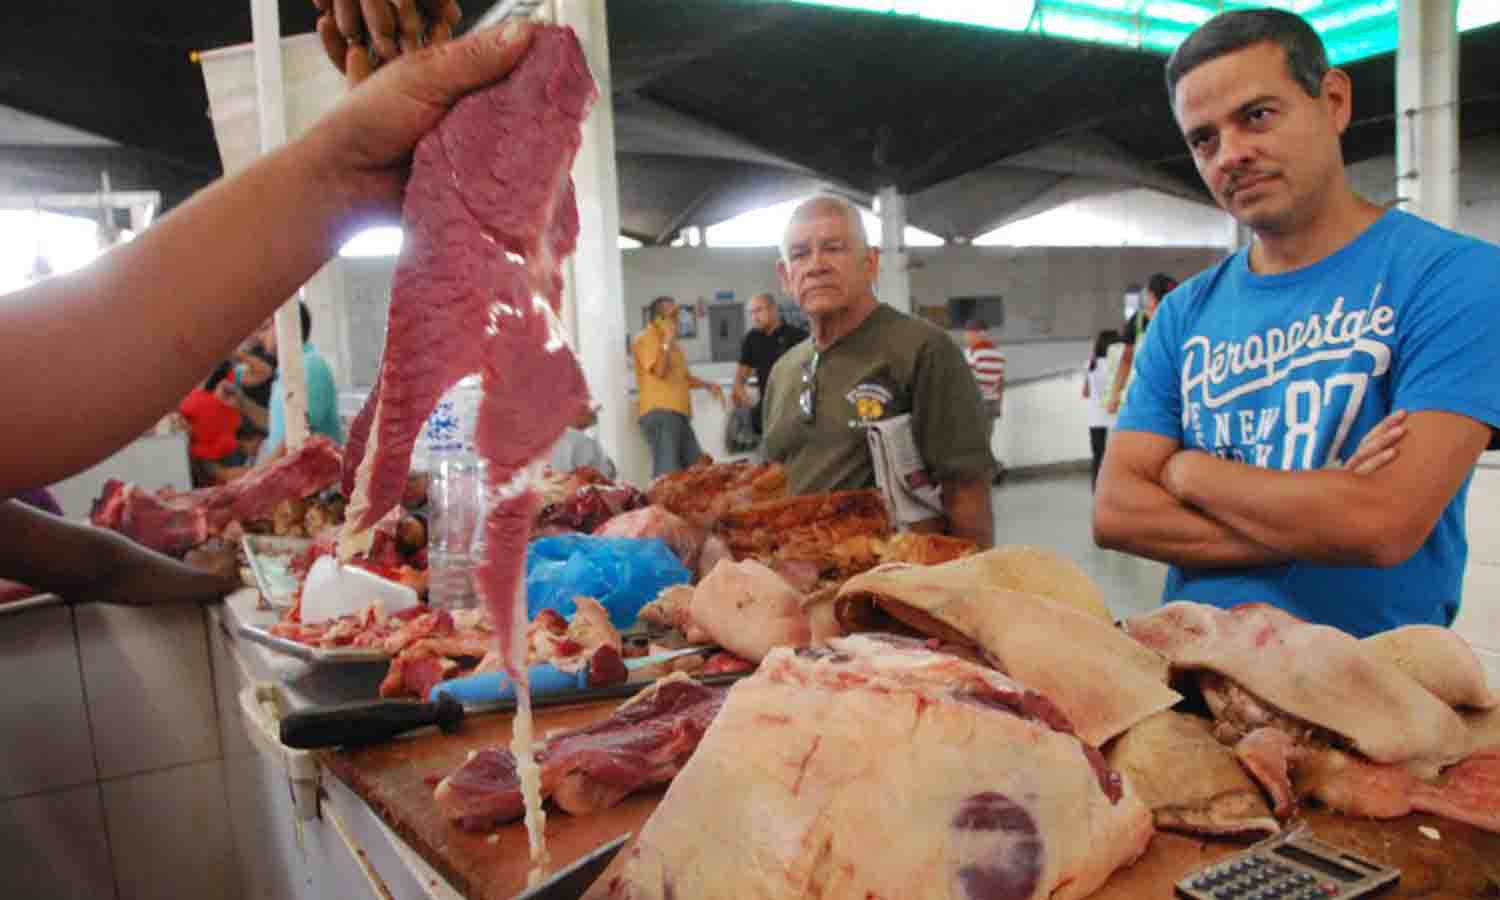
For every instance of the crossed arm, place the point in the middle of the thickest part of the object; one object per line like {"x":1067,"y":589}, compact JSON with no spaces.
{"x":1190,"y":508}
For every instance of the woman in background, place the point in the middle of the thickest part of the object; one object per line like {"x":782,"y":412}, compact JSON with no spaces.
{"x":1097,"y":382}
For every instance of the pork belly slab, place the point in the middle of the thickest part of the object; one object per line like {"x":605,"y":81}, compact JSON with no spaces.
{"x":875,"y":767}
{"x":1104,"y":681}
{"x":1192,"y":782}
{"x":1319,"y":675}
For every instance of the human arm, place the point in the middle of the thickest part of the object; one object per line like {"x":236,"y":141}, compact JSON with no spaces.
{"x":1335,"y":516}
{"x":654,"y":351}
{"x":257,"y":415}
{"x":740,"y":394}
{"x":84,"y":564}
{"x":1122,"y":374}
{"x":967,"y":507}
{"x":718,"y":392}
{"x":1133,"y":513}
{"x":127,"y":336}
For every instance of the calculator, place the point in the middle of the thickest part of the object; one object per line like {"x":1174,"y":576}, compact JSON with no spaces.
{"x":1289,"y":866}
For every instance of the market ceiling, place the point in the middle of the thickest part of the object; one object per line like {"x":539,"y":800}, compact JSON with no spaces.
{"x":720,"y":106}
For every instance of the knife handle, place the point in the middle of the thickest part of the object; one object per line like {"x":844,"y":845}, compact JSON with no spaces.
{"x":495,"y":687}
{"x":366,"y":722}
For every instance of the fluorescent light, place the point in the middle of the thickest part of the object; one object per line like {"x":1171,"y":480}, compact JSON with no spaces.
{"x":1352,"y":29}
{"x":1477,"y":14}
{"x":1007,"y":15}
{"x":382,"y":241}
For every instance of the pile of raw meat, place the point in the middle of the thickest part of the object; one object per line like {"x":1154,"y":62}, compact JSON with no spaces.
{"x":1014,"y":742}
{"x":287,"y":496}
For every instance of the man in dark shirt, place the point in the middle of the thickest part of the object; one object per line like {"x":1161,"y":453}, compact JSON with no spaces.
{"x":770,"y":338}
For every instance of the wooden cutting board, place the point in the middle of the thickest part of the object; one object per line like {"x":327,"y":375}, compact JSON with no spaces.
{"x":397,"y":779}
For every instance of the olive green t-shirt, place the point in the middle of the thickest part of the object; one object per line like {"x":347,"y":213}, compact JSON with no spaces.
{"x":891,"y":364}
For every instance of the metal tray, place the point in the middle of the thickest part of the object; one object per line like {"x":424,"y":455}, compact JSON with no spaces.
{"x":268,"y":557}
{"x":306,"y":653}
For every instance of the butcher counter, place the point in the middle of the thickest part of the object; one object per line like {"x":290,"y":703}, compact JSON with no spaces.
{"x":299,"y":833}
{"x":362,"y":823}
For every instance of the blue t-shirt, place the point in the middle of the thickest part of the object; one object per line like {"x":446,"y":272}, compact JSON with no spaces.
{"x":322,"y":403}
{"x":1290,"y":371}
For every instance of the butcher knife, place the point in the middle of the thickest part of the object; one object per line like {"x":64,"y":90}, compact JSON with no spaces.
{"x":570,"y":882}
{"x":372,"y":721}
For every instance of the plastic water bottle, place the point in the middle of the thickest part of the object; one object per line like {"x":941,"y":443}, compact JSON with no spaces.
{"x":455,"y":498}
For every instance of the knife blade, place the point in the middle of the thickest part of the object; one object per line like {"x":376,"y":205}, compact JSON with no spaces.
{"x":569,"y":882}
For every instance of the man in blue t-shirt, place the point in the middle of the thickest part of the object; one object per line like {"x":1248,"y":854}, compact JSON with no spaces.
{"x":1305,"y":415}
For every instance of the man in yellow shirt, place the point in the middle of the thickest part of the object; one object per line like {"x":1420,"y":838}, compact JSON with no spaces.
{"x":666,"y":405}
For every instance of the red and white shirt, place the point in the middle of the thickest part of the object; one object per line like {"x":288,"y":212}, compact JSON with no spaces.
{"x":988,"y":364}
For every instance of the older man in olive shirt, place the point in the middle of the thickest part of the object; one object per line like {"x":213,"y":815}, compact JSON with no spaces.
{"x":868,"y":362}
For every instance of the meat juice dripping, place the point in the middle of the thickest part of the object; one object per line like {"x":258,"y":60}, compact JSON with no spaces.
{"x":513,"y":653}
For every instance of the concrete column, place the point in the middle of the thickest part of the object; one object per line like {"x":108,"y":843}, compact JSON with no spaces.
{"x":894,"y":285}
{"x":594,"y":296}
{"x":270,"y":92}
{"x":1427,"y":110}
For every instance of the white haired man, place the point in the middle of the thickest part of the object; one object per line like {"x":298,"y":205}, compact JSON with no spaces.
{"x":868,"y":362}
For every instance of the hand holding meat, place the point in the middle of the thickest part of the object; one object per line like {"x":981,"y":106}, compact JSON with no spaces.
{"x":367,"y":141}
{"x":360,"y":35}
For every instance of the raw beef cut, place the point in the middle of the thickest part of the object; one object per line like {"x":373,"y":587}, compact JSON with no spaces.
{"x":685,"y":539}
{"x":748,"y":609}
{"x":174,"y":523}
{"x":1468,"y":792}
{"x":1102,"y":679}
{"x":1317,"y":675}
{"x":489,"y":216}
{"x":646,"y":742}
{"x":810,"y":527}
{"x":1192,"y":782}
{"x":876,"y":769}
{"x":1440,"y":660}
{"x":705,"y":491}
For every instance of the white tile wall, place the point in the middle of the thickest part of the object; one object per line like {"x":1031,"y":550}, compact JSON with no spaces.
{"x":272,"y":865}
{"x":53,"y":846}
{"x":46,"y":734}
{"x":1484,"y":518}
{"x":150,"y":696}
{"x":170,"y":834}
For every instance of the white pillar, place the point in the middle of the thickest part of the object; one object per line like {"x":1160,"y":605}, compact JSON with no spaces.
{"x":894,"y":285}
{"x":270,"y":94}
{"x":1427,"y":110}
{"x":594,"y":296}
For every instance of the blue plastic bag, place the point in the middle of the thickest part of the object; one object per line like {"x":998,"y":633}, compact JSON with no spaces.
{"x":624,"y":574}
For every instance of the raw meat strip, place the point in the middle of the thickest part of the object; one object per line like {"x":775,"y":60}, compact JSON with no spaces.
{"x":645,"y":743}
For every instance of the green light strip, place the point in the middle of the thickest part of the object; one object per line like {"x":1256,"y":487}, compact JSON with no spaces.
{"x":1351,"y":29}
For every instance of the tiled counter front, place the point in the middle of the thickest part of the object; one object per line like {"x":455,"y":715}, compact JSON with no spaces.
{"x":114,"y":781}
